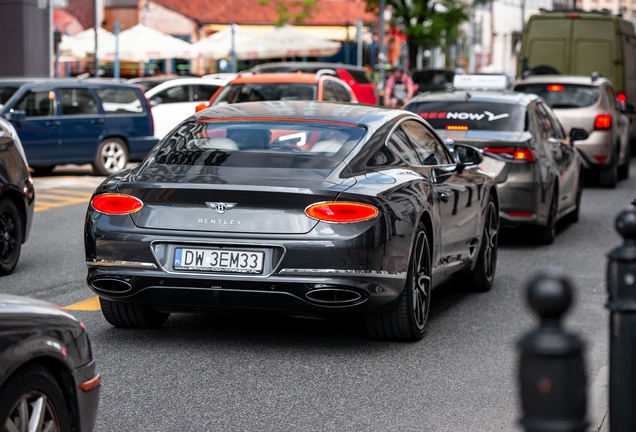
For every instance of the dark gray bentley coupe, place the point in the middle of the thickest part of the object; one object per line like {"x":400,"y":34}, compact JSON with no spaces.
{"x":296,"y":207}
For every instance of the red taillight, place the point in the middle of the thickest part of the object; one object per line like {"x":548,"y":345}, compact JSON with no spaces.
{"x":603,"y":121}
{"x":519,"y":155}
{"x":456,"y":128}
{"x":601,"y":159}
{"x":520,"y":213}
{"x":555,"y":88}
{"x":116,"y":204}
{"x":572,"y":15}
{"x":341,"y":212}
{"x":621,"y":97}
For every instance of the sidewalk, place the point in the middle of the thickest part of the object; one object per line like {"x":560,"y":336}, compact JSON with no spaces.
{"x":598,"y":401}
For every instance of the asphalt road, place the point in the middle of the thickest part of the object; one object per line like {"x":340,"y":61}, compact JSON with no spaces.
{"x":288,"y":374}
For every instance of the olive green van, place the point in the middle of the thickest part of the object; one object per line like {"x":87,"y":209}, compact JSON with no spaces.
{"x":579,"y":43}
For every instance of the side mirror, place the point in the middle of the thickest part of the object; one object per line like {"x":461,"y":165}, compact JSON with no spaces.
{"x":466,"y":155}
{"x":578,"y":134}
{"x":15,"y":115}
{"x":202,"y":106}
{"x":156,"y":101}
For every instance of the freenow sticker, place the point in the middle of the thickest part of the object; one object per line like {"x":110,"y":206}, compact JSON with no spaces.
{"x":487,"y":115}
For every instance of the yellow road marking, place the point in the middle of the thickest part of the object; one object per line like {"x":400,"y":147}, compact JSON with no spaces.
{"x":71,"y":192}
{"x":91,"y":304}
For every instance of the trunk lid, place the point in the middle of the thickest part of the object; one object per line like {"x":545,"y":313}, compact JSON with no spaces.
{"x":231,"y":200}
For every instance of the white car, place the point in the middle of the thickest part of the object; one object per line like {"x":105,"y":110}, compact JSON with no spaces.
{"x":175,"y":100}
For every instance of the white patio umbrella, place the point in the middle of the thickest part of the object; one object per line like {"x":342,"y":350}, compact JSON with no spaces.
{"x":141,"y":43}
{"x":83,"y":43}
{"x":286,"y":41}
{"x":219,"y":45}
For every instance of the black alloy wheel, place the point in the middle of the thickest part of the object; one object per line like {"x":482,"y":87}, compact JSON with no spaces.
{"x":32,"y":401}
{"x":406,"y":320}
{"x":547,"y":234}
{"x":10,"y":236}
{"x":132,"y":315}
{"x":482,"y":277}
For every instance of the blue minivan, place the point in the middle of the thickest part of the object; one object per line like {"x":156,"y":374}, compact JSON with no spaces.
{"x":79,"y":121}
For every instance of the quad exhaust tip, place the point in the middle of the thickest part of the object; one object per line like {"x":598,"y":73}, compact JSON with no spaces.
{"x":111,"y":285}
{"x":333,"y":296}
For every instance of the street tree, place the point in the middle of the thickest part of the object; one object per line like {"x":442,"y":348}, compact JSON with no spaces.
{"x":291,"y":12}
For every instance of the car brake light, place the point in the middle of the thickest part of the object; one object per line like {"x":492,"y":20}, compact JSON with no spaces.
{"x":519,"y":155}
{"x":341,"y":212}
{"x":456,"y":128}
{"x":520,"y":213}
{"x":621,"y":96}
{"x":116,"y":204}
{"x":603,"y":121}
{"x":572,"y":15}
{"x":555,"y":88}
{"x":601,"y":159}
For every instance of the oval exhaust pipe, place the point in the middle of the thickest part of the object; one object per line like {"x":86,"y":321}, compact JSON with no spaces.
{"x":116,"y":286}
{"x":333,"y":296}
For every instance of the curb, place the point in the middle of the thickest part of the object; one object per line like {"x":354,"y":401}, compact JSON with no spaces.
{"x":598,"y":401}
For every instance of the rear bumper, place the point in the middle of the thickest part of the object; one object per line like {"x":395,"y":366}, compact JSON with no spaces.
{"x":599,"y":144}
{"x":87,"y":401}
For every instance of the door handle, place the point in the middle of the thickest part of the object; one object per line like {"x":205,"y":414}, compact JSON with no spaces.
{"x":53,"y":123}
{"x":97,"y":121}
{"x":443,"y":196}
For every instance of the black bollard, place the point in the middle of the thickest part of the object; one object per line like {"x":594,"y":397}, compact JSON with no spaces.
{"x":621,"y":285}
{"x":551,"y":370}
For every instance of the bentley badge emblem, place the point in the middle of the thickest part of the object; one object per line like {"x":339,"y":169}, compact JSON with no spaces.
{"x":221,"y":207}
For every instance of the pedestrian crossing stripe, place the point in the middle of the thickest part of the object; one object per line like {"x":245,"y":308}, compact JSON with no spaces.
{"x":91,"y":304}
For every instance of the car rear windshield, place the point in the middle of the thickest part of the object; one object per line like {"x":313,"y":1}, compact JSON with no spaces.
{"x":236,"y":93}
{"x":259,"y":144}
{"x":563,"y":96}
{"x":433,"y":79}
{"x":6,"y":91}
{"x":466,"y":115}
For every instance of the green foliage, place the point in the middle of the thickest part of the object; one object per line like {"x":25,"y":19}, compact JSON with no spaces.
{"x":423,"y":25}
{"x":292,"y":12}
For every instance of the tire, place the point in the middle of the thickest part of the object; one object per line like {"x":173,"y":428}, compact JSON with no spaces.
{"x":546,"y":235}
{"x":28,"y":388}
{"x":623,"y":170}
{"x":42,"y":170}
{"x":132,"y":315}
{"x":10,"y":236}
{"x":608,"y":177}
{"x":406,"y":320}
{"x":482,"y":277}
{"x":574,"y":216}
{"x":111,"y":157}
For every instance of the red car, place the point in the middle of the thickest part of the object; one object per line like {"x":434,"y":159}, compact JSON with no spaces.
{"x":355,"y":76}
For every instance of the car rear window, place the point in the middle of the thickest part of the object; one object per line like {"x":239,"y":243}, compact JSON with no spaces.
{"x":466,"y":115}
{"x":360,"y":76}
{"x":259,"y":144}
{"x":237,"y":93}
{"x":563,"y":96}
{"x":120,"y":100}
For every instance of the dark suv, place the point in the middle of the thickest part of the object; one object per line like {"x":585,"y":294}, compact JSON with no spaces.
{"x":76,"y":121}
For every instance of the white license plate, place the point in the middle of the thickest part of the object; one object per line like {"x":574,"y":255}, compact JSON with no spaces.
{"x":218,"y":260}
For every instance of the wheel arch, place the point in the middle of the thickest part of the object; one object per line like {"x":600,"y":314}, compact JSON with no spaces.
{"x":15,"y":197}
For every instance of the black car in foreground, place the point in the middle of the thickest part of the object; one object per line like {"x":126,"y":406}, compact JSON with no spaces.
{"x":536,"y":166}
{"x":48,"y":380}
{"x":297,"y":207}
{"x":16,"y":198}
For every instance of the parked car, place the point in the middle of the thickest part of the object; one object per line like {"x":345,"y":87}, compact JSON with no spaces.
{"x":48,"y":378}
{"x":149,"y":82}
{"x":75,"y":121}
{"x":589,"y":103}
{"x":560,"y":43}
{"x":538,"y":171}
{"x":283,"y":86}
{"x":297,"y":207}
{"x":16,"y":198}
{"x":175,"y":100}
{"x":355,"y":76}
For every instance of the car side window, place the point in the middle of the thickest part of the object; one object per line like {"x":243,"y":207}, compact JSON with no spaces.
{"x":341,"y":92}
{"x":613,"y":99}
{"x":180,"y":93}
{"x":77,"y":101}
{"x":402,"y":146}
{"x":329,"y":92}
{"x":203,"y":92}
{"x":545,"y":122}
{"x":120,"y":100}
{"x":37,"y":103}
{"x":429,"y":149}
